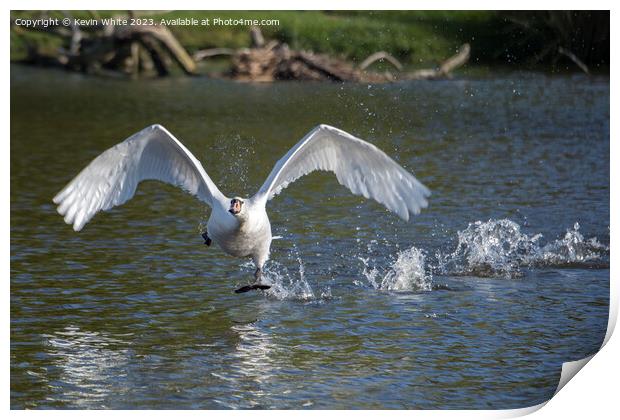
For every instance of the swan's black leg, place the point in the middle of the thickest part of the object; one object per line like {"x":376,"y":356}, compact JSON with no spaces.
{"x":257,"y":275}
{"x":205,"y":236}
{"x":252,"y":287}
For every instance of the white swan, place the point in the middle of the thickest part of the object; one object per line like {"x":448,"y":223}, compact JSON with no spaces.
{"x":240,"y":226}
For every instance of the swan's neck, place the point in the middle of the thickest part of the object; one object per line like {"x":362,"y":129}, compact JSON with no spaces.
{"x":242,"y":220}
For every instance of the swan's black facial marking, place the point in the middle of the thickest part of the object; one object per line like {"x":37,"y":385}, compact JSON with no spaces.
{"x":235,"y":206}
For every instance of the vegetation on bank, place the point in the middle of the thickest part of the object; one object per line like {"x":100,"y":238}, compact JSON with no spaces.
{"x":416,"y":38}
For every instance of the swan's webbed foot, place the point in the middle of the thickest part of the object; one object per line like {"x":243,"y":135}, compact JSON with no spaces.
{"x":205,"y":236}
{"x":252,"y":287}
{"x":257,"y":275}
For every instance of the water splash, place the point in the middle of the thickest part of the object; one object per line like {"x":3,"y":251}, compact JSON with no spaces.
{"x":406,"y":273}
{"x":493,"y":248}
{"x":498,"y":248}
{"x":286,"y":285}
{"x":572,"y":250}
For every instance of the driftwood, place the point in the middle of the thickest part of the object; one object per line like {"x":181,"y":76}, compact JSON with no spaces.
{"x":164,"y":37}
{"x":446,"y":68}
{"x":574,"y":59}
{"x":258,"y":40}
{"x":211,"y":52}
{"x":380,"y":56}
{"x":279,"y":62}
{"x":142,"y":49}
{"x":131,"y":50}
{"x":276,"y":61}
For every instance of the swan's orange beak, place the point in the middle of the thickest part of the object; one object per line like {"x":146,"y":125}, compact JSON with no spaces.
{"x":235,"y":206}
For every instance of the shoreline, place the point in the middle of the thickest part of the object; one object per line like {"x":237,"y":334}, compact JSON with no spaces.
{"x":418,"y":39}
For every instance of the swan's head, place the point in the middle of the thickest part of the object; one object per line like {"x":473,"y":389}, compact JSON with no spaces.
{"x":237,"y":206}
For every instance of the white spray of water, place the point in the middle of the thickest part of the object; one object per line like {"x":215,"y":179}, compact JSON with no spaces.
{"x":406,"y":273}
{"x":573,"y":249}
{"x":286,"y":285}
{"x":496,"y":248}
{"x":499,"y":248}
{"x":486,"y":249}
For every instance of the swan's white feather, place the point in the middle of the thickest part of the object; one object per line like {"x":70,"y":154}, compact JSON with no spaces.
{"x":360,"y":166}
{"x":112,"y":177}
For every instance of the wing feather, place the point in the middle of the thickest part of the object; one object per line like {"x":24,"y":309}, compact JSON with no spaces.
{"x":358,"y":165}
{"x":112,"y":177}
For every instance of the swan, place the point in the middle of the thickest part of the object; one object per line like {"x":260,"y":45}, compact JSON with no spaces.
{"x":240,"y":226}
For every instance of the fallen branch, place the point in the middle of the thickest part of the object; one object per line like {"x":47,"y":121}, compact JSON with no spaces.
{"x":574,"y":59}
{"x":134,"y":50}
{"x":258,"y":40}
{"x":380,"y":55}
{"x":455,"y":61}
{"x":157,"y":57}
{"x":212,"y":52}
{"x":331,"y":70}
{"x":76,"y":34}
{"x":444,"y":70}
{"x":166,"y":38}
{"x":99,"y":48}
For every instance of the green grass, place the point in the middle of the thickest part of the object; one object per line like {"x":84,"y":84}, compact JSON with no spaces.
{"x":418,"y":38}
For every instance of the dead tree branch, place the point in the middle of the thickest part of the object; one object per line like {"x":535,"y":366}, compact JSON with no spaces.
{"x":574,"y":59}
{"x":126,"y":49}
{"x":212,"y":52}
{"x":380,"y":55}
{"x":446,"y":68}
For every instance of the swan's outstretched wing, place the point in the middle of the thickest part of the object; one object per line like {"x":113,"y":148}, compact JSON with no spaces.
{"x":111,"y":179}
{"x":358,"y":165}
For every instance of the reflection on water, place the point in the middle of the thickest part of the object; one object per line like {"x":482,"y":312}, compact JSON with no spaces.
{"x":88,"y":361}
{"x":252,"y":370}
{"x":475,"y":304}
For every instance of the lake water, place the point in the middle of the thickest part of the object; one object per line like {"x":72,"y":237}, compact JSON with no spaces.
{"x":473,"y":304}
